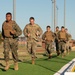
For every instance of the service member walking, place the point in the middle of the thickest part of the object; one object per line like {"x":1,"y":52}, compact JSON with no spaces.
{"x":32,"y":31}
{"x":10,"y":33}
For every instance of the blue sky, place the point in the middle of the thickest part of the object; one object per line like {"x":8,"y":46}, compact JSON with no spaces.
{"x":41,"y":10}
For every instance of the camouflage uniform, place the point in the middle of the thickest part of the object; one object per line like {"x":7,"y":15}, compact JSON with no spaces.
{"x":68,"y":44}
{"x":63,"y":38}
{"x":49,"y":38}
{"x":10,"y":40}
{"x":33,"y":38}
{"x":56,"y":42}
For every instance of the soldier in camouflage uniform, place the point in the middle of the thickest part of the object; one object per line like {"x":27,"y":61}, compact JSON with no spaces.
{"x":68,"y":44}
{"x":10,"y":33}
{"x":63,"y":38}
{"x":32,"y":31}
{"x":56,"y":41}
{"x":48,"y":36}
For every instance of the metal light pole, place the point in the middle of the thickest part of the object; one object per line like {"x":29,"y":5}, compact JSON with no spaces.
{"x":14,"y":10}
{"x":57,"y":14}
{"x":54,"y":15}
{"x":64,"y":13}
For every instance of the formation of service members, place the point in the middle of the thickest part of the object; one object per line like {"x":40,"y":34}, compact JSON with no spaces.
{"x":11,"y":31}
{"x":61,"y":39}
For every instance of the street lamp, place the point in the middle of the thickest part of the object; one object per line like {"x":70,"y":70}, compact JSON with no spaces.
{"x":57,"y":14}
{"x":52,"y":14}
{"x":14,"y":10}
{"x":64,"y":13}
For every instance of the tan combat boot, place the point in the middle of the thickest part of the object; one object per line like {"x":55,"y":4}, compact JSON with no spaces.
{"x":50,"y":56}
{"x":62,"y":55}
{"x":7,"y":65}
{"x":16,"y":66}
{"x":58,"y":53}
{"x":33,"y":61}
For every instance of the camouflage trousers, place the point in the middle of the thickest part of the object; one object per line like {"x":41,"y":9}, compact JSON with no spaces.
{"x":57,"y":45}
{"x":31,"y":47}
{"x":62,"y":47}
{"x":10,"y":44}
{"x":49,"y":47}
{"x":68,"y":47}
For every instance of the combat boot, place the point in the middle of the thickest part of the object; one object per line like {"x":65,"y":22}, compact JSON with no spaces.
{"x":7,"y":66}
{"x":63,"y":55}
{"x":50,"y":56}
{"x":58,"y":53}
{"x":16,"y":66}
{"x":33,"y":61}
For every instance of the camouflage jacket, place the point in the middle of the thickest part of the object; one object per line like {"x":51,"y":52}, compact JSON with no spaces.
{"x":56,"y":35}
{"x":12,"y":27}
{"x":32,"y":30}
{"x":48,"y":36}
{"x":62,"y":36}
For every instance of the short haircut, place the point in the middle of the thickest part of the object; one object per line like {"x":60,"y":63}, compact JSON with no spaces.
{"x":31,"y":18}
{"x":62,"y":27}
{"x":48,"y":27}
{"x":8,"y":14}
{"x":57,"y":27}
